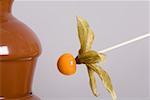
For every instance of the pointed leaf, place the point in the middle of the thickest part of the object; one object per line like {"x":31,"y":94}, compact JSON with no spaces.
{"x":105,"y":79}
{"x":86,"y":35}
{"x":92,"y":82}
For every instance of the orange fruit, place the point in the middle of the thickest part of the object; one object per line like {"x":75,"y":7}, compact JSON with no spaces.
{"x":66,"y":64}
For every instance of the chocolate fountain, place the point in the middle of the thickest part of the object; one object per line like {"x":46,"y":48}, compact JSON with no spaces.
{"x":19,"y":49}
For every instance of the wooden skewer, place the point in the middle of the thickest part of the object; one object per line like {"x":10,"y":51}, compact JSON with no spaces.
{"x":124,"y":43}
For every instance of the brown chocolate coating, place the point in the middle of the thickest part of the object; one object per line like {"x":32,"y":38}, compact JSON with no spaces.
{"x":18,"y":64}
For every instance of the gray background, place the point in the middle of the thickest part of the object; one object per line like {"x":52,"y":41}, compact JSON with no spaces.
{"x":113,"y":22}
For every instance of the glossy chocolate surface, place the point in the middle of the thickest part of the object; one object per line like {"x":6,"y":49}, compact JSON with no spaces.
{"x":19,"y":49}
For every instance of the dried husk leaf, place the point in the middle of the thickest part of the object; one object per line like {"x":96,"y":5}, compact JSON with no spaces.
{"x":92,"y":82}
{"x":86,"y":35}
{"x":105,"y":79}
{"x":89,"y":57}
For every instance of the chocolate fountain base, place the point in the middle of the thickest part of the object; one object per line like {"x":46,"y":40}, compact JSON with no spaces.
{"x":29,"y":97}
